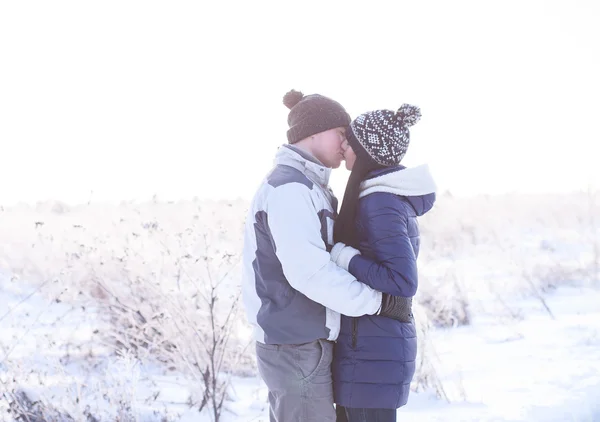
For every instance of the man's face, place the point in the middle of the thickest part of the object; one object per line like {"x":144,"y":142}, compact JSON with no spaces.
{"x":327,"y":147}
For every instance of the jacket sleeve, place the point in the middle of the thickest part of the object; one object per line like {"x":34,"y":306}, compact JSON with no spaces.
{"x":296,"y":231}
{"x":394,"y":267}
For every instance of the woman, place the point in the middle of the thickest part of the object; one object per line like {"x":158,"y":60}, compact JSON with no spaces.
{"x":375,"y":356}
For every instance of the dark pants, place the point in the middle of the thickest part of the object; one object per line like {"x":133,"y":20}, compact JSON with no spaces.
{"x":348,"y":414}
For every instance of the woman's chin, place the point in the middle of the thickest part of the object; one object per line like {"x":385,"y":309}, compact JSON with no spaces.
{"x":348,"y":166}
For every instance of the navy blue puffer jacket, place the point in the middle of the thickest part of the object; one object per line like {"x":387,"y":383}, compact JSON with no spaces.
{"x":375,"y":356}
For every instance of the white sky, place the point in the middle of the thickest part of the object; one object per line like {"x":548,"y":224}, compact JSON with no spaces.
{"x":180,"y":99}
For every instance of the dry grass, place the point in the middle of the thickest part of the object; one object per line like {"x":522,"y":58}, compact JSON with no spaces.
{"x":167,"y":274}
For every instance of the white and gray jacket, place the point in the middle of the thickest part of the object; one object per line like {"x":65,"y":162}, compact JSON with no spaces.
{"x":293,"y":293}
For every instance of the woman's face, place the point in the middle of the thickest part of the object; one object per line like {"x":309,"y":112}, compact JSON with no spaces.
{"x":349,"y":155}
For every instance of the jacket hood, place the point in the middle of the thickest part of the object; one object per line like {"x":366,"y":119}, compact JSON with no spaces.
{"x":416,"y":184}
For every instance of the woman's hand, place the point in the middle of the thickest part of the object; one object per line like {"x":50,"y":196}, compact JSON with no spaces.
{"x":396,"y":307}
{"x":342,"y":254}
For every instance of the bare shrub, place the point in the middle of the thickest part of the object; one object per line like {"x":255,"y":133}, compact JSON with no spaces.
{"x":594,"y":232}
{"x":169,"y":287}
{"x":22,"y":408}
{"x":445,"y":304}
{"x":67,"y":397}
{"x":426,"y":374}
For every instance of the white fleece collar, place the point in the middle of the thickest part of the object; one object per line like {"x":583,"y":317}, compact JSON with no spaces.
{"x":415,"y":181}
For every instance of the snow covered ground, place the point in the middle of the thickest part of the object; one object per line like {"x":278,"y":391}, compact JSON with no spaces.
{"x":487,"y":262}
{"x":532,"y":369}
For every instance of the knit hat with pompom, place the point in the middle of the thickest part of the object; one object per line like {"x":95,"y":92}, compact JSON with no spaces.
{"x":383,"y":135}
{"x":312,"y":114}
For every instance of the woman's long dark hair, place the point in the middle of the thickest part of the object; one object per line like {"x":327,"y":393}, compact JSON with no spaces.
{"x":345,"y":224}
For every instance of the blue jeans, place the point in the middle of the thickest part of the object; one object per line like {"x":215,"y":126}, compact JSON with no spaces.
{"x":348,"y":414}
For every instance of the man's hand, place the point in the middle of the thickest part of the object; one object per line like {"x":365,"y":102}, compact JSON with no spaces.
{"x":396,"y":307}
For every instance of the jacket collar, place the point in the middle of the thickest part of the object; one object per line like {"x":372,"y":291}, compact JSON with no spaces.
{"x":289,"y":155}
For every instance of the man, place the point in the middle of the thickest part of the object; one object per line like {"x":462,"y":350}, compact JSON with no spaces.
{"x":293,"y":292}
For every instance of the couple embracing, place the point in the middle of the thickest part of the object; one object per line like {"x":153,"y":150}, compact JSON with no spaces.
{"x":330,"y":294}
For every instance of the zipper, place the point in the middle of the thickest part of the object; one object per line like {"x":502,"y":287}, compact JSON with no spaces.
{"x":354,"y":331}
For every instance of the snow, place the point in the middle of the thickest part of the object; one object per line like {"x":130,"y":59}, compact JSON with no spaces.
{"x":494,"y":259}
{"x":534,"y":369}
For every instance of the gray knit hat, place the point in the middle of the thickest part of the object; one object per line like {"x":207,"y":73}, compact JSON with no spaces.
{"x":383,"y":135}
{"x":312,"y":114}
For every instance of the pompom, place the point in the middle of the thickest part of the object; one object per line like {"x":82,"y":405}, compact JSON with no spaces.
{"x":408,"y":115}
{"x":292,"y":98}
